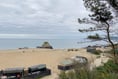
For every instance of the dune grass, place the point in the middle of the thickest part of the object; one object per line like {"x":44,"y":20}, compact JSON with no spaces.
{"x":108,"y":71}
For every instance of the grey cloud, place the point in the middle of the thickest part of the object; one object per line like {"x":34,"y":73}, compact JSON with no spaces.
{"x":43,"y":16}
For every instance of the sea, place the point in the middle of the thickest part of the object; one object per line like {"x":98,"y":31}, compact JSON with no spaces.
{"x":55,"y":43}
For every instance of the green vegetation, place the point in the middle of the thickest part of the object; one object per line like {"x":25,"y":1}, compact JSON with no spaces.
{"x":101,"y":16}
{"x":108,"y":71}
{"x":111,"y":51}
{"x":109,"y":67}
{"x":95,"y":37}
{"x":97,"y":52}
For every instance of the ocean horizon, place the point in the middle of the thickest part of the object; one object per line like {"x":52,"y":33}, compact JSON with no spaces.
{"x":63,"y":41}
{"x":56,"y":43}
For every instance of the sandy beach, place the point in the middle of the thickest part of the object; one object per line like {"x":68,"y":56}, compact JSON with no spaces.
{"x":29,"y":57}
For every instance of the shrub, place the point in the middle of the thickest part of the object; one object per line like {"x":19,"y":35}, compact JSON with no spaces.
{"x":63,"y":75}
{"x":108,"y":71}
{"x":110,"y":66}
{"x":97,"y":52}
{"x":96,"y":37}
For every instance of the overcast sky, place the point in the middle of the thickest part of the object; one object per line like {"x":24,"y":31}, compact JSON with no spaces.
{"x":55,"y":17}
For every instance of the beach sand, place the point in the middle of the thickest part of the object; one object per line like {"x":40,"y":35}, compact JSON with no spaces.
{"x":29,"y":57}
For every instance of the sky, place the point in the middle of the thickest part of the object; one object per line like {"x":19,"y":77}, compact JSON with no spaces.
{"x":25,"y":18}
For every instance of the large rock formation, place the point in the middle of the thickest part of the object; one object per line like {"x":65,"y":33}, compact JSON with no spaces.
{"x":46,"y":45}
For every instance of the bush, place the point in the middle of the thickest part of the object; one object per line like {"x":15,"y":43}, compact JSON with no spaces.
{"x":110,"y":66}
{"x":63,"y":75}
{"x":108,"y":71}
{"x":96,"y":37}
{"x":97,"y":52}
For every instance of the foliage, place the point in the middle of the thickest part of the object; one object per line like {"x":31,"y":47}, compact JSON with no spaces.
{"x":101,"y":17}
{"x":113,"y":3}
{"x":101,"y":12}
{"x":63,"y":75}
{"x":108,"y":71}
{"x":94,"y":37}
{"x":111,"y":51}
{"x":109,"y":67}
{"x":97,"y":52}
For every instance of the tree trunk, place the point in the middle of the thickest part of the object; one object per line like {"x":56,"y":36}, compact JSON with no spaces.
{"x":109,"y":39}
